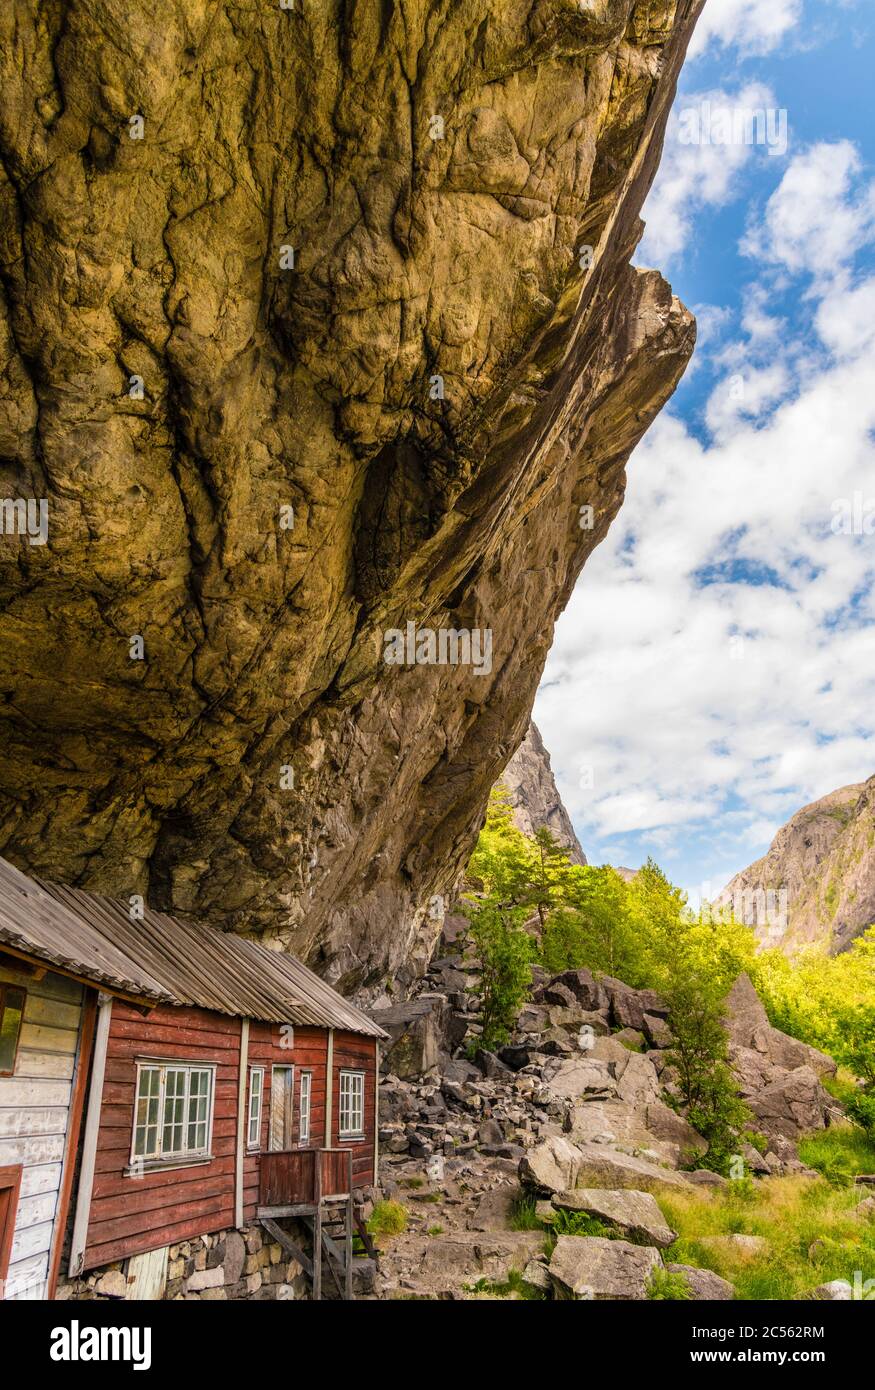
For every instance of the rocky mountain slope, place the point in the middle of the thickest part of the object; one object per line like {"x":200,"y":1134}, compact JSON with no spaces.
{"x":824,"y":859}
{"x":529,"y":781}
{"x":315,"y":324}
{"x":576,"y":1111}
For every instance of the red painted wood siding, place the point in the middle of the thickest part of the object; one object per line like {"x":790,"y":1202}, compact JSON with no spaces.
{"x":310,"y":1053}
{"x":353,"y":1052}
{"x":134,"y":1214}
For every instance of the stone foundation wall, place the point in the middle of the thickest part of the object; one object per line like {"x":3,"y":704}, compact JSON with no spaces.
{"x":228,"y":1265}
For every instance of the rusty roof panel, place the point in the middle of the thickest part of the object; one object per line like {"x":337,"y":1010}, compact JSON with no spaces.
{"x":35,"y":922}
{"x":165,"y":960}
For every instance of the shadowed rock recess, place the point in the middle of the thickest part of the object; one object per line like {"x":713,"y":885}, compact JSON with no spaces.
{"x":267,"y":386}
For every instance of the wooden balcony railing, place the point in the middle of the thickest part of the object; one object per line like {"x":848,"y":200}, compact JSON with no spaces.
{"x":304,"y":1177}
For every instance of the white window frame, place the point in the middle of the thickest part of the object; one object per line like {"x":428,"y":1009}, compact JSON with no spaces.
{"x":174,"y":1158}
{"x":254,"y":1117}
{"x":305,"y":1092}
{"x":351,"y":1105}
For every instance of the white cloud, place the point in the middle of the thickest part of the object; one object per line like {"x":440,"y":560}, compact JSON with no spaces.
{"x":694,"y":176}
{"x":814,"y":221}
{"x":752,"y":26}
{"x":701,"y":744}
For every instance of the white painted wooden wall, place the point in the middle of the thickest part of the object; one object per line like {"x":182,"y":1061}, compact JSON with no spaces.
{"x":34,"y":1110}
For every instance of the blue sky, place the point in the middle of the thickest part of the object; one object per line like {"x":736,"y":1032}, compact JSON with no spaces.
{"x":715,"y":669}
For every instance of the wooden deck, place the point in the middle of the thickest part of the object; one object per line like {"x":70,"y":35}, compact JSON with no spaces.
{"x":314,"y":1186}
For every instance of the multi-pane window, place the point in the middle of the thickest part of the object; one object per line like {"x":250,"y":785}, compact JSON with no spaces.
{"x":11,"y":1010}
{"x":352,"y":1104}
{"x":256,"y":1097}
{"x":173,"y":1114}
{"x":304,"y":1104}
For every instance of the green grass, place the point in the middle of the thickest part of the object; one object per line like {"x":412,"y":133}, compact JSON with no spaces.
{"x":579,"y":1223}
{"x":514,"y":1286}
{"x":812,"y":1232}
{"x":388,"y":1219}
{"x":435,"y":1231}
{"x":839,"y":1153}
{"x":523,"y":1216}
{"x":668,"y":1286}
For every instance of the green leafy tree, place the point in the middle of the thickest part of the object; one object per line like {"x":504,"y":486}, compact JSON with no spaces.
{"x":506,"y":954}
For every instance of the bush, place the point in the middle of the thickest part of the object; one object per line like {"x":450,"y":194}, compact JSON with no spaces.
{"x":388,"y":1219}
{"x":666,"y":1285}
{"x":506,"y":954}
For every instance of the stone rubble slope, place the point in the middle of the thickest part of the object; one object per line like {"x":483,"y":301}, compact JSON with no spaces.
{"x":569,"y":1115}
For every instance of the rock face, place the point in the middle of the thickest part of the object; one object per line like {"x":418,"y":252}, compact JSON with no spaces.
{"x":537,"y":805}
{"x":824,"y":860}
{"x":602,"y":1269}
{"x":302,"y":343}
{"x":637,"y":1214}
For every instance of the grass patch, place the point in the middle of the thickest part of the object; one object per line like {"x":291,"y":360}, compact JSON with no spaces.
{"x":812,"y":1232}
{"x":669,"y":1287}
{"x":839,"y":1153}
{"x":514,"y":1286}
{"x":579,"y":1223}
{"x":435,"y":1231}
{"x":388,"y":1219}
{"x":523,"y":1216}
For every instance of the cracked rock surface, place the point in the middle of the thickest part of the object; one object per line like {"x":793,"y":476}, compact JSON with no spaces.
{"x":299,"y":345}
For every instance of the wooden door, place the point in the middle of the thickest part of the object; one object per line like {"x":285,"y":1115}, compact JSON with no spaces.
{"x":282,"y":1081}
{"x":10,"y":1185}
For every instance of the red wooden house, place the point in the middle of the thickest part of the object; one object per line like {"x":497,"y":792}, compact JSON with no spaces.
{"x":216,"y":1083}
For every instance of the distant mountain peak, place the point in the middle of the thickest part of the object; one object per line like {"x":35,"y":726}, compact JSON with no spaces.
{"x":824,"y":859}
{"x":535,"y":797}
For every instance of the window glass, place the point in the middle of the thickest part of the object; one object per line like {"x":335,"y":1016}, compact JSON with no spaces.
{"x":256,"y":1094}
{"x":304,"y":1122}
{"x":11,"y":1009}
{"x":352,"y":1103}
{"x":173,"y":1111}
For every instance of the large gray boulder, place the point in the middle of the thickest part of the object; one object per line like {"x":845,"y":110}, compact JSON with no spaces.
{"x":580,"y":1077}
{"x":590,"y":1267}
{"x":551,"y":1166}
{"x":589,"y":992}
{"x":629,"y":1006}
{"x":704,"y":1284}
{"x":597,"y":1165}
{"x":636,"y":1214}
{"x":417,"y":1032}
{"x":792,"y":1105}
{"x":749,"y":1028}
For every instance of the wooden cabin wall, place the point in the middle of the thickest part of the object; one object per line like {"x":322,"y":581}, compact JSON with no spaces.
{"x":268,"y":1048}
{"x":133,"y":1214}
{"x":357,"y":1053}
{"x":34,"y":1115}
{"x":162,"y":1207}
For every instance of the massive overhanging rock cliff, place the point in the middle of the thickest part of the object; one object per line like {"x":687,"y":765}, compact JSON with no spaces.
{"x":301,"y":343}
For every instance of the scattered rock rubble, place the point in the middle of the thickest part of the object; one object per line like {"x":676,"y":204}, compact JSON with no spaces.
{"x":576,"y":1112}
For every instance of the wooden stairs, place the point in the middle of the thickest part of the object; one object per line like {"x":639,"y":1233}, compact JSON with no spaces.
{"x":314,"y":1188}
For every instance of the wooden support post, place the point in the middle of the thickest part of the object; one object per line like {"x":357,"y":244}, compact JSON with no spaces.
{"x":89,"y":1143}
{"x":71,"y":1146}
{"x":317,"y":1231}
{"x":291,"y":1247}
{"x":376,"y":1111}
{"x":329,"y":1088}
{"x":241,"y":1122}
{"x":348,"y":1261}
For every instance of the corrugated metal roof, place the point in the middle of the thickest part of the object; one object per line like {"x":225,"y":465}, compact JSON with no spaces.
{"x":166,"y":960}
{"x":34,"y":921}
